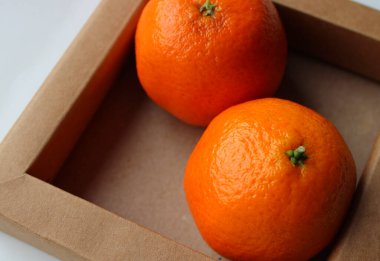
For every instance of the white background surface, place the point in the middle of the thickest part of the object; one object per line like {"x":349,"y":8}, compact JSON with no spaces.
{"x":34,"y":34}
{"x":371,"y":3}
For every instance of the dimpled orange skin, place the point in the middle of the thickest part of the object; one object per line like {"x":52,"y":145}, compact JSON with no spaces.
{"x":249,"y":202}
{"x":196,"y":66}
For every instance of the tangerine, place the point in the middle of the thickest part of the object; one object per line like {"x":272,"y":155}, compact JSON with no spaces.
{"x":196,"y":58}
{"x":269,"y":180}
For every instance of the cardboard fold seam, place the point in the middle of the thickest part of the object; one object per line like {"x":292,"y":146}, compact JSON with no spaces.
{"x":18,"y":230}
{"x":10,"y":179}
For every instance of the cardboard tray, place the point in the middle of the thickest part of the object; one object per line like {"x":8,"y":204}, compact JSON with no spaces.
{"x":115,"y":160}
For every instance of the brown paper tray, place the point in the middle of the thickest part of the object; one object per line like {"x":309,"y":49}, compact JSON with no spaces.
{"x":120,"y":169}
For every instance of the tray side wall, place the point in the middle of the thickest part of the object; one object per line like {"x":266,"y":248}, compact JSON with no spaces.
{"x":74,"y":229}
{"x":340,"y":32}
{"x":101,"y":48}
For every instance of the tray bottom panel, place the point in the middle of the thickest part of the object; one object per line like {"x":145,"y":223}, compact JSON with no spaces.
{"x":131,"y":158}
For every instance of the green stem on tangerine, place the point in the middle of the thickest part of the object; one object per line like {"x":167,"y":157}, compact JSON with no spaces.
{"x":207,"y":9}
{"x":297,"y":156}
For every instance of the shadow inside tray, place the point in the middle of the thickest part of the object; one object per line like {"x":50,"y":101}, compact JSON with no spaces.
{"x":110,"y":125}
